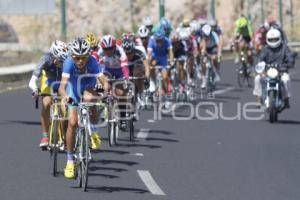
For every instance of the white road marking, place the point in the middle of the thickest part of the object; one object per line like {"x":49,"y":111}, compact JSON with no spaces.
{"x":137,"y":154}
{"x":151,"y":120}
{"x":150,"y":182}
{"x":223,"y":90}
{"x":143,"y":133}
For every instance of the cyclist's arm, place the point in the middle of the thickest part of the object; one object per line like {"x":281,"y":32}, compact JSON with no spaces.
{"x":33,"y":83}
{"x":63,"y":85}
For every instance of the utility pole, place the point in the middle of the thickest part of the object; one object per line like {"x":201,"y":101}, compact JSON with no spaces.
{"x":161,"y":8}
{"x":280,"y":12}
{"x":63,"y":28}
{"x":292,"y":19}
{"x":212,"y":9}
{"x":262,"y":12}
{"x":131,"y":14}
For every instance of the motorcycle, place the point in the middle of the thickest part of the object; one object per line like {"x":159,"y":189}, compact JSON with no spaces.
{"x":272,"y":97}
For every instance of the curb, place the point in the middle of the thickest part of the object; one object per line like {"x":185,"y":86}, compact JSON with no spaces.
{"x":18,"y":72}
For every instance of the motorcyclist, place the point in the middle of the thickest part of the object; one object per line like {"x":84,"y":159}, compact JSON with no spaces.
{"x":275,"y":52}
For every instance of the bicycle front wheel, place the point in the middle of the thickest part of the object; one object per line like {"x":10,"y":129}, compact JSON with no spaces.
{"x":53,"y":146}
{"x":85,"y":159}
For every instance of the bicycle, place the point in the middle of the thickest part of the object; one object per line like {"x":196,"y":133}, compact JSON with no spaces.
{"x":82,"y":143}
{"x":56,"y":137}
{"x":243,"y":71}
{"x":210,"y":75}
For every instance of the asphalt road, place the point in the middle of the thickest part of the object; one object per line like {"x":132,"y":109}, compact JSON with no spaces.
{"x":193,"y":159}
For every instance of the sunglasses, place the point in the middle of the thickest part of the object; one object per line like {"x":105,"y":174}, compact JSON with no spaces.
{"x":144,"y":38}
{"x":108,"y":49}
{"x":78,"y":58}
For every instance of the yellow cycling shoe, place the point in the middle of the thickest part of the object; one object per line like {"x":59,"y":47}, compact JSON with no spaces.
{"x":70,"y":171}
{"x":95,"y":141}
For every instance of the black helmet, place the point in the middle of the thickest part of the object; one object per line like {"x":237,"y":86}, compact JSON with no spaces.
{"x":128,"y":45}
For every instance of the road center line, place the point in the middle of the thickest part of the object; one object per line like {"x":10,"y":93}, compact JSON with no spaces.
{"x":143,"y":133}
{"x":150,"y":182}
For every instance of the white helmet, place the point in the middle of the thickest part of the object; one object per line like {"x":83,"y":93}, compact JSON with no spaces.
{"x":143,"y":32}
{"x":273,"y":38}
{"x":79,"y":47}
{"x":59,"y":50}
{"x":184,"y":33}
{"x":148,"y":21}
{"x":206,"y":29}
{"x":195,"y":26}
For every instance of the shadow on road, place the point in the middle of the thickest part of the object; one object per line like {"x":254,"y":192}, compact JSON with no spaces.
{"x":116,"y":189}
{"x":111,"y":151}
{"x":94,"y":168}
{"x":122,"y":162}
{"x":290,"y":122}
{"x":35,"y":123}
{"x":103,"y":175}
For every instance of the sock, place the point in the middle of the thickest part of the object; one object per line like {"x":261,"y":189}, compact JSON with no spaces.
{"x":45,"y":135}
{"x":93,"y":128}
{"x":70,"y":157}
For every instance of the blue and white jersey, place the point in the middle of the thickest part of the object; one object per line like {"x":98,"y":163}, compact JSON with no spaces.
{"x":157,"y":51}
{"x":81,"y":80}
{"x":212,"y":40}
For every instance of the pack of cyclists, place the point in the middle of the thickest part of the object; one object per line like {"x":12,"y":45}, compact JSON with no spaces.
{"x":90,"y":62}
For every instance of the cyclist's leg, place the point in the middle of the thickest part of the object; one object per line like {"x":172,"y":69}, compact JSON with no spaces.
{"x":190,"y":64}
{"x":70,"y":170}
{"x":139,"y":71}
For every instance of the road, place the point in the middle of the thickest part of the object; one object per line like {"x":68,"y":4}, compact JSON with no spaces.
{"x":193,"y":159}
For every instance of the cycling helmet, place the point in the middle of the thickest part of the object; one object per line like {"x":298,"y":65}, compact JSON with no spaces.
{"x":159,"y":34}
{"x":195,"y":26}
{"x":59,"y":50}
{"x":213,"y":23}
{"x":79,"y":47}
{"x":108,"y":41}
{"x":242,"y":22}
{"x":274,"y":38}
{"x":186,"y":22}
{"x":143,"y":32}
{"x":92,"y":40}
{"x":148,"y":21}
{"x":128,"y":45}
{"x":165,"y":24}
{"x":184,"y":33}
{"x":128,"y":35}
{"x":206,"y":29}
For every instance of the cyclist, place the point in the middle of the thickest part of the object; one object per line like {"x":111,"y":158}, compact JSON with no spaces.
{"x":137,"y":40}
{"x":138,"y":66}
{"x":159,"y":50}
{"x":211,"y":47}
{"x":191,"y":47}
{"x":144,"y":35}
{"x":81,"y":73}
{"x":259,"y":38}
{"x":94,"y":44}
{"x":47,"y":72}
{"x":179,"y":52}
{"x":115,"y":64}
{"x":243,"y":36}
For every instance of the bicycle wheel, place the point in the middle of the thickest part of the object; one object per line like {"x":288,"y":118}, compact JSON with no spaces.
{"x":53,"y":146}
{"x":110,"y":129}
{"x":78,"y":153}
{"x":116,"y":132}
{"x":131,"y":130}
{"x":85,"y":158}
